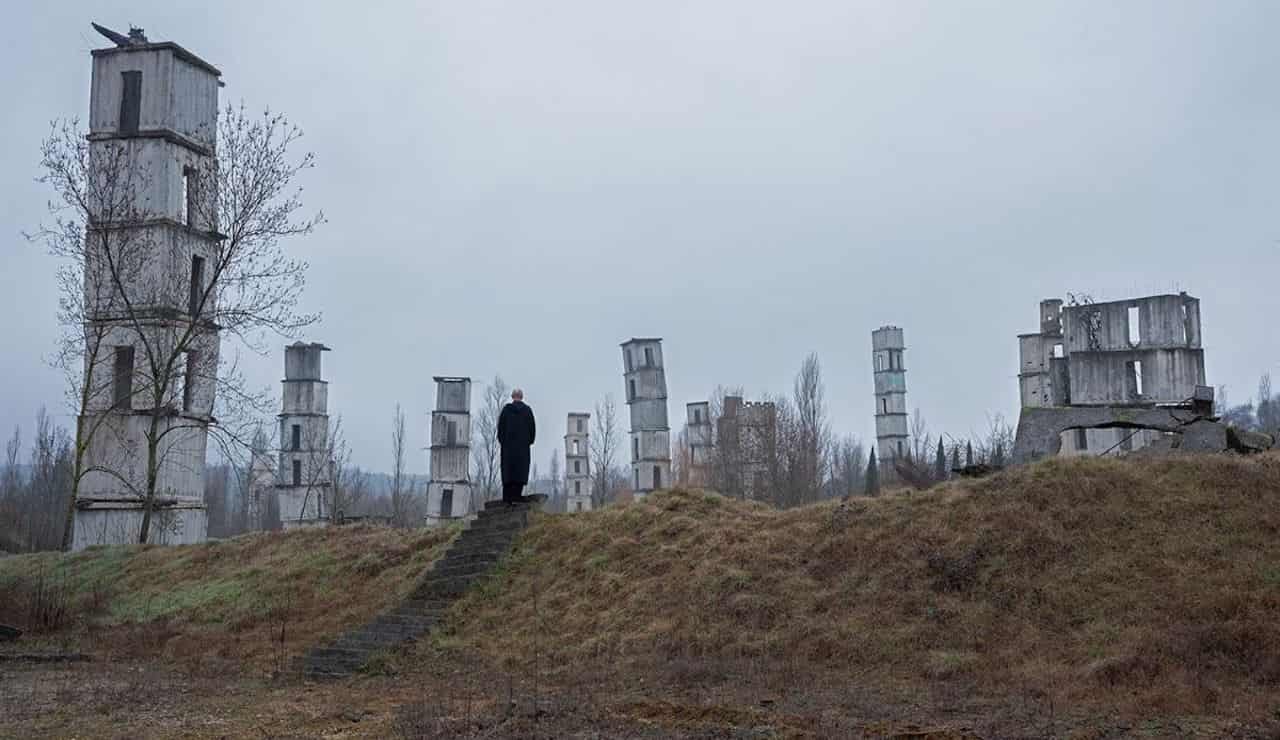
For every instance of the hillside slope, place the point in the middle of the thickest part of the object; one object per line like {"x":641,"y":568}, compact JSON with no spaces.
{"x":1144,"y":584}
{"x":255,"y":599}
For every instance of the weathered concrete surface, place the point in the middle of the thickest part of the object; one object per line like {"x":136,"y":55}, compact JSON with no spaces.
{"x":1040,"y":429}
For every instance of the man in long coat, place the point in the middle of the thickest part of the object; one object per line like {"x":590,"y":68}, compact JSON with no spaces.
{"x":516,"y":432}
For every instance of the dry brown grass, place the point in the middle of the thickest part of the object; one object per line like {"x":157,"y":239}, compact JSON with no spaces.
{"x":257,"y":599}
{"x":1150,"y":585}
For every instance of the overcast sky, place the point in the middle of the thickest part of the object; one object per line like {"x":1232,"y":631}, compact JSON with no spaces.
{"x":515,"y":188}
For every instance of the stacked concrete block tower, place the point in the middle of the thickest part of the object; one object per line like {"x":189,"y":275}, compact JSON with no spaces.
{"x":890,"y":372}
{"x":449,"y":490}
{"x":305,"y":477}
{"x":577,"y":462}
{"x":153,"y":116}
{"x":701,"y":442}
{"x":645,"y":380}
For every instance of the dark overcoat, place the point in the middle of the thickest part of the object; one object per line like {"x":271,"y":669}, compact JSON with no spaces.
{"x":516,"y":432}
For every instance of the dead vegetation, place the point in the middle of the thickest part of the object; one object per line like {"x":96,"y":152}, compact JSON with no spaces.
{"x":1082,"y":597}
{"x":1142,"y":585}
{"x":257,"y":599}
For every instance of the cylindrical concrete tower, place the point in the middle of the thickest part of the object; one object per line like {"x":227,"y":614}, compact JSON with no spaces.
{"x":646,"y":387}
{"x":887,"y":348}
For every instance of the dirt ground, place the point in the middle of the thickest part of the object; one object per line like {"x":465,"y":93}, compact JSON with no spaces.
{"x":432,"y":692}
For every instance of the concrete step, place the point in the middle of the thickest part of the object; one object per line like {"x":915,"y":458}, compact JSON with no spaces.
{"x":447,"y":586}
{"x":521,"y":514}
{"x":462,"y":569}
{"x":478,"y":548}
{"x":481,"y":541}
{"x":374,"y":640}
{"x":487,"y":557}
{"x":414,"y":620}
{"x":497,"y":524}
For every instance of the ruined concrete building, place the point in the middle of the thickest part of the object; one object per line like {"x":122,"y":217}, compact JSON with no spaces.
{"x":156,"y":105}
{"x":646,"y":386}
{"x":701,"y":442}
{"x":1108,"y":378}
{"x":890,"y":373}
{"x":577,"y":462}
{"x":747,"y":436}
{"x":449,"y":490}
{"x":305,"y":478}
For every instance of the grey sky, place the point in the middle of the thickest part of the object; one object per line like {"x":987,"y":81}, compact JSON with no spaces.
{"x":516,"y":188}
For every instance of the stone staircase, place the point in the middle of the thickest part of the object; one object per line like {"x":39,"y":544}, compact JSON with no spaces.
{"x":471,"y":557}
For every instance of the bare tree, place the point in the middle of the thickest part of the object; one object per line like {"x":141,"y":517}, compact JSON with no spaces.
{"x":812,"y":432}
{"x":243,"y":202}
{"x":847,"y":467}
{"x":485,"y":450}
{"x":605,"y":438}
{"x":398,"y":503}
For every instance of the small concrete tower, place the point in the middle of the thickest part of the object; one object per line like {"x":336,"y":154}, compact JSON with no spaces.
{"x":305,"y":475}
{"x":887,"y":348}
{"x":700,"y":440}
{"x":577,"y":463}
{"x":646,"y":386}
{"x":153,"y":109}
{"x":449,"y":491}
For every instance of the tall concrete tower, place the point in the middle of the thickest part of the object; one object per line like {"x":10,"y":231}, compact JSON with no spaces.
{"x":152,"y":122}
{"x":646,"y":386}
{"x":305,"y":477}
{"x":577,"y":463}
{"x":449,"y":491}
{"x":887,"y":348}
{"x":701,"y":442}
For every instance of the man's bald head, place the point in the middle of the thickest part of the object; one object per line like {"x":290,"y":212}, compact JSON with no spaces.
{"x":517,"y":395}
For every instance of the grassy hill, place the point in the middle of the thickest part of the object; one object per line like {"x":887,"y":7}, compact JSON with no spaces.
{"x":1143,"y":587}
{"x":1150,"y":584}
{"x":258,"y":598}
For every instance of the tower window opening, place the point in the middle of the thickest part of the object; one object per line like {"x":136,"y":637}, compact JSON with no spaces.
{"x":635,"y":448}
{"x":124,"y":378}
{"x":657,"y":477}
{"x":130,"y":101}
{"x":297,"y":472}
{"x":295,"y":438}
{"x":631,"y":388}
{"x":577,"y":466}
{"x":197,"y":285}
{"x":648,"y":357}
{"x":446,"y":503}
{"x":1135,"y":328}
{"x":1082,"y":439}
{"x":1058,"y":351}
{"x":1134,"y":369}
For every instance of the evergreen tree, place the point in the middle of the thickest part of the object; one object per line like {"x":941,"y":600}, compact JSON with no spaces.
{"x":955,"y":457}
{"x":940,"y":465}
{"x":968,"y":453}
{"x":997,"y":459}
{"x":873,"y":476}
